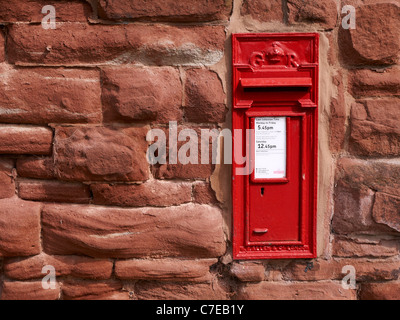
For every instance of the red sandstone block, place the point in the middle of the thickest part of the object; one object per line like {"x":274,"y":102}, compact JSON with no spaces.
{"x":141,"y":94}
{"x":362,"y":46}
{"x":152,"y":193}
{"x":7,"y":185}
{"x":17,"y":290}
{"x":204,"y":97}
{"x":84,"y":44}
{"x":268,"y":290}
{"x":19,"y":228}
{"x":248,"y":271}
{"x":149,"y":290}
{"x":353,"y":210}
{"x":185,"y":231}
{"x":75,"y":266}
{"x":21,"y":11}
{"x":324,"y":13}
{"x":165,"y":10}
{"x":165,"y":270}
{"x":372,"y":83}
{"x":375,"y":128}
{"x":2,"y":46}
{"x":380,"y":291}
{"x":203,"y":193}
{"x":19,"y":139}
{"x":53,"y":191}
{"x":375,"y":269}
{"x":343,"y":247}
{"x":386,"y":210}
{"x":366,"y":197}
{"x":262,"y":10}
{"x":93,"y":290}
{"x":382,"y":176}
{"x":366,"y":270}
{"x":358,"y":210}
{"x":101,"y":154}
{"x":36,"y":168}
{"x":42,"y":96}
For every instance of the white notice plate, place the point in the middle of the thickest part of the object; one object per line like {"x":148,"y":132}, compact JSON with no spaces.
{"x":270,"y":147}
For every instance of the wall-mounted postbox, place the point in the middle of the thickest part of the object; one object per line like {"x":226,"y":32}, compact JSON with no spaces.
{"x":275,"y":145}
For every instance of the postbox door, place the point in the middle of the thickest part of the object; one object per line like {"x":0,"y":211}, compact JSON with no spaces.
{"x":275,"y":185}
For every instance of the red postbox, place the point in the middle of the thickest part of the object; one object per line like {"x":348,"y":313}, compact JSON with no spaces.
{"x":275,"y":126}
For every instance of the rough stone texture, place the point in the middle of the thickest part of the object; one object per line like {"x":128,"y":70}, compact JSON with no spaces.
{"x":36,"y":167}
{"x":53,"y":191}
{"x":320,"y":270}
{"x":313,"y":11}
{"x":17,"y":290}
{"x":366,"y":270}
{"x":188,"y":136}
{"x":353,"y":211}
{"x":165,"y":270}
{"x":338,"y":116}
{"x":380,"y":291}
{"x":20,"y":139}
{"x":386,"y":210}
{"x":375,"y":128}
{"x":372,"y":83}
{"x":75,"y":266}
{"x":333,"y":54}
{"x":187,"y":231}
{"x":179,"y":171}
{"x":364,"y":248}
{"x":167,"y":10}
{"x":83,"y":44}
{"x":42,"y":95}
{"x":248,"y":272}
{"x":19,"y":228}
{"x":180,"y":291}
{"x":142,"y":94}
{"x":295,"y":291}
{"x":373,"y":41}
{"x":21,"y":11}
{"x":152,"y":193}
{"x":2,"y":47}
{"x":76,"y":107}
{"x":203,"y":193}
{"x":263,"y":11}
{"x":383,"y":176}
{"x":93,"y":290}
{"x":101,"y":154}
{"x":7,"y":185}
{"x":358,"y":208}
{"x":204,"y":97}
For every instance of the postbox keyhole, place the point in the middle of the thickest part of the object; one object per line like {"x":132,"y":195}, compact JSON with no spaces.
{"x":262,"y":191}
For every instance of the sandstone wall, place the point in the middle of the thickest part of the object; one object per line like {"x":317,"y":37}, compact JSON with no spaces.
{"x":77,"y":192}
